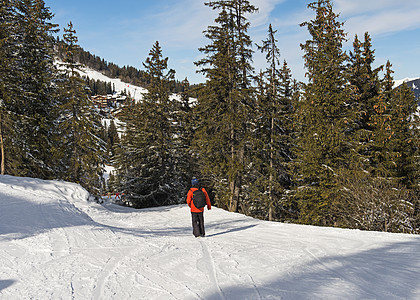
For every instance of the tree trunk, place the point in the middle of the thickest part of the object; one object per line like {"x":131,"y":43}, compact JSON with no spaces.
{"x":236,"y":183}
{"x":233,"y":200}
{"x":235,"y":189}
{"x":271,"y":177}
{"x":2,"y":146}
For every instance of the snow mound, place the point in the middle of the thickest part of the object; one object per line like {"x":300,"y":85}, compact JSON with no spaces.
{"x":54,"y":244}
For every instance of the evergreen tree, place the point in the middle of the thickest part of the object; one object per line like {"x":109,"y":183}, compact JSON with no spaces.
{"x":35,"y":98}
{"x":7,"y":84}
{"x":113,"y":138}
{"x":380,"y":121}
{"x":186,"y":122}
{"x":146,"y":158}
{"x":273,"y":127}
{"x":226,"y":105}
{"x":405,"y":137}
{"x":322,"y":149}
{"x":80,"y":152}
{"x":365,"y":81}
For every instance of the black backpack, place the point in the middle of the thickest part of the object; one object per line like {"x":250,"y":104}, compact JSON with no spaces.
{"x":199,"y":199}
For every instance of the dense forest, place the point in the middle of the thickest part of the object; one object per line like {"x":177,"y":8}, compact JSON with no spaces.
{"x":341,"y":149}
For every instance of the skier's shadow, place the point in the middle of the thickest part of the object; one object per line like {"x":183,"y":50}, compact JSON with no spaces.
{"x":232,"y":230}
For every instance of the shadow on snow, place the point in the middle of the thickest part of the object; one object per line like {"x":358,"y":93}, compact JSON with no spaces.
{"x":4,"y":284}
{"x":390,"y":272}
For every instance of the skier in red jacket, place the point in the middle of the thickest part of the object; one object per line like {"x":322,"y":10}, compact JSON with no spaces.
{"x":197,"y":214}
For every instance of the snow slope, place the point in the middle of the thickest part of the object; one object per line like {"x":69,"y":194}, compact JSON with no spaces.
{"x":397,"y":83}
{"x":54,"y":244}
{"x":136,"y":92}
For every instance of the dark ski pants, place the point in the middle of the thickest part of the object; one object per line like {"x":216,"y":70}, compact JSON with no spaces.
{"x":198,"y":223}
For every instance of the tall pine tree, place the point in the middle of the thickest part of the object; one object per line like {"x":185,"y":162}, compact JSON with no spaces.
{"x":8,"y":84}
{"x":35,"y":98}
{"x":380,"y":121}
{"x":405,"y":137}
{"x":322,"y":149}
{"x":272,"y":135}
{"x":80,"y":149}
{"x":366,"y":83}
{"x":147,"y":156}
{"x":226,"y":105}
{"x":186,"y":121}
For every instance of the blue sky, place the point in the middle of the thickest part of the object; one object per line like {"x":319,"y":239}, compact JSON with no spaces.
{"x":124,"y":31}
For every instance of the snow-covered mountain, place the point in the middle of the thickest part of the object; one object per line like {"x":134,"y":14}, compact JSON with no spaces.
{"x":54,"y":244}
{"x":413,"y":83}
{"x":397,"y":83}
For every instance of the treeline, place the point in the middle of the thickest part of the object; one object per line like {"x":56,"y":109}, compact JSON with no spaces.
{"x":340,"y":150}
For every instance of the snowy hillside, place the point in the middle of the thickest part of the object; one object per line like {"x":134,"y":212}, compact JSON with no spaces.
{"x":56,"y":245}
{"x":136,"y":92}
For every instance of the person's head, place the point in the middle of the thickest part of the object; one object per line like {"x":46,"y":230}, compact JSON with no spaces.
{"x":195,"y":182}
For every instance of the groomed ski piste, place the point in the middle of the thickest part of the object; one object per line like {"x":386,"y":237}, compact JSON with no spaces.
{"x":54,"y":244}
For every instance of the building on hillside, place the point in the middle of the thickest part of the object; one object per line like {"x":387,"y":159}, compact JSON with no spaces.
{"x":100,"y":101}
{"x":110,"y":100}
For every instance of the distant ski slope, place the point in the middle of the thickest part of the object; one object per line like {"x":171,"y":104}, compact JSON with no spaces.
{"x":54,"y":244}
{"x":136,"y":92}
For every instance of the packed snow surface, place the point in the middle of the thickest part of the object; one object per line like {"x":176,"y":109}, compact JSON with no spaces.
{"x":54,"y":244}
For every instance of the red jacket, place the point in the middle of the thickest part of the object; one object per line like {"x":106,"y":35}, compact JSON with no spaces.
{"x":191,"y":203}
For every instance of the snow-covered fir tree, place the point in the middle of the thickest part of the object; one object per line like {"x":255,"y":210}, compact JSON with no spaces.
{"x":8,"y":85}
{"x":146,"y":158}
{"x":34,"y":98}
{"x":79,"y":150}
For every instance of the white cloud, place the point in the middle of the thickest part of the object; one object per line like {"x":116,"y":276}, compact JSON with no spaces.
{"x":183,"y":22}
{"x":384,"y":23}
{"x":265,"y":7}
{"x":378,"y":17}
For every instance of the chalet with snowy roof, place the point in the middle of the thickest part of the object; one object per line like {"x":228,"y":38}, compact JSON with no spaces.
{"x":110,"y":100}
{"x":100,"y":101}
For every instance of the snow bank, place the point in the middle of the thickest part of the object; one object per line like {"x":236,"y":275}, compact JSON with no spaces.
{"x":54,"y":244}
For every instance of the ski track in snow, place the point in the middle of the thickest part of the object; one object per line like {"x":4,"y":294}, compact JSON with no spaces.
{"x":209,"y":267}
{"x":54,"y":244}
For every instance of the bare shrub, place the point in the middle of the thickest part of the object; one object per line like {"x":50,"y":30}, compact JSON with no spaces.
{"x":376,"y":204}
